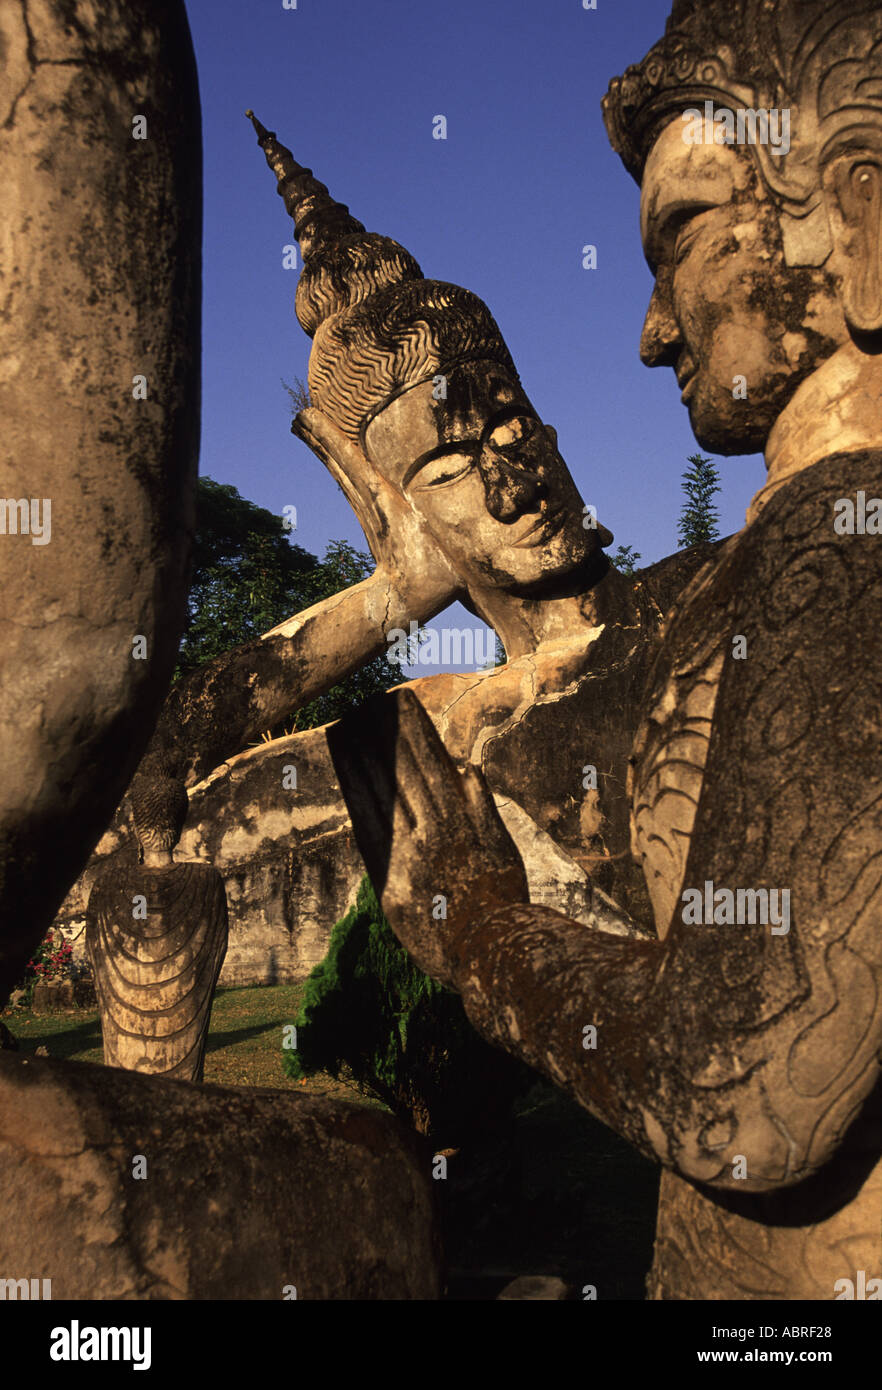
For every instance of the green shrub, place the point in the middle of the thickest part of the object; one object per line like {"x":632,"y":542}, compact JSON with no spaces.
{"x":368,"y":1012}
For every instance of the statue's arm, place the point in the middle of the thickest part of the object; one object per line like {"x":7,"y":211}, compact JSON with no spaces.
{"x":728,"y":1040}
{"x":721,"y":1041}
{"x":224,"y":706}
{"x":220,"y":708}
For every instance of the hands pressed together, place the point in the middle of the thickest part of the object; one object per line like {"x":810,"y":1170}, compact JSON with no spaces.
{"x":430,"y":836}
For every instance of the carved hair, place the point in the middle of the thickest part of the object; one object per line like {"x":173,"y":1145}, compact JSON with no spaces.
{"x":159,"y":804}
{"x":378,"y":326}
{"x":821,"y":59}
{"x":396,"y":339}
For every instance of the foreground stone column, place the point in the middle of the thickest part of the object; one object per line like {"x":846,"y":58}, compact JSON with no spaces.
{"x":115,"y":1185}
{"x":100,"y":224}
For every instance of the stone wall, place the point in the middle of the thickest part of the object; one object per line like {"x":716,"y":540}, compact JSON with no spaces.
{"x":291,"y":869}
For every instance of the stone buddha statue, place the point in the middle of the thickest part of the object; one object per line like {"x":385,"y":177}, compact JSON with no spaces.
{"x":157,"y":936}
{"x":419,"y":413}
{"x":741,"y":1047}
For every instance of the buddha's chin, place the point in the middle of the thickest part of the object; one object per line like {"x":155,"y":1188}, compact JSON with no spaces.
{"x":728,"y":426}
{"x":529,"y":573}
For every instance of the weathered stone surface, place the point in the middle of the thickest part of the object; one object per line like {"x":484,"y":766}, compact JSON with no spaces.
{"x":742,"y":1052}
{"x":288,"y":859}
{"x":247,"y":1193}
{"x":102,"y":244}
{"x":746,"y":1062}
{"x":155,"y":973}
{"x":287,"y":855}
{"x":713,"y":1245}
{"x":514,"y":543}
{"x":53,"y":996}
{"x":156,"y":934}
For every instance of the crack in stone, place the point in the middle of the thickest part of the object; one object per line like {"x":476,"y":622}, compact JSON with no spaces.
{"x":34,"y":63}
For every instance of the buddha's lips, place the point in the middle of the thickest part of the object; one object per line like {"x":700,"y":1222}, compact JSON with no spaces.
{"x":541,"y":529}
{"x":686,"y":370}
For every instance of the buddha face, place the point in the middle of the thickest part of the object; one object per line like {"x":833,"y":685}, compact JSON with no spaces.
{"x":740,"y":327}
{"x":486,"y":475}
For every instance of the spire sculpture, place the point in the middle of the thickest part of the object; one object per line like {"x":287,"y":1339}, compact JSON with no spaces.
{"x":378,"y":326}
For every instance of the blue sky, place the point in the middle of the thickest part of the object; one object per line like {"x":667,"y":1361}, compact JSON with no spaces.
{"x":503,"y":206}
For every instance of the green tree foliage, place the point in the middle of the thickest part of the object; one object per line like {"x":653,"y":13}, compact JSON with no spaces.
{"x":699,"y":517}
{"x":248,"y":576}
{"x":499,"y":658}
{"x":625,"y":559}
{"x":369,"y":1012}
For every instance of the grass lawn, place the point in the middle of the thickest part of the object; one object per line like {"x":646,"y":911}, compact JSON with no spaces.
{"x":244,"y":1040}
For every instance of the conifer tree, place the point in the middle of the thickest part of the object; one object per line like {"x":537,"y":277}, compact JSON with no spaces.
{"x":699,"y":517}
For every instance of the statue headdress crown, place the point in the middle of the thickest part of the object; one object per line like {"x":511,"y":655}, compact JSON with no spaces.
{"x":378,"y":326}
{"x":820,"y":60}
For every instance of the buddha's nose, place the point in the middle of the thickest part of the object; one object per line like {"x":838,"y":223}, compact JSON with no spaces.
{"x":510,"y":491}
{"x":661,"y":340}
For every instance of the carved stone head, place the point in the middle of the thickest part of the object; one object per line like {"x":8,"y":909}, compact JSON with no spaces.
{"x":159,"y":807}
{"x":755,"y":131}
{"x":417,"y":374}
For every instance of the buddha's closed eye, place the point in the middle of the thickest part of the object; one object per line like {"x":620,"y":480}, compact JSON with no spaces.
{"x":444,"y":469}
{"x":507,"y":437}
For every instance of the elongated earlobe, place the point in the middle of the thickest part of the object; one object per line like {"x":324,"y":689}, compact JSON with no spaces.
{"x":853,"y":192}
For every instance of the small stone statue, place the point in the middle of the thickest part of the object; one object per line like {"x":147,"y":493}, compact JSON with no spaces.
{"x":157,"y":937}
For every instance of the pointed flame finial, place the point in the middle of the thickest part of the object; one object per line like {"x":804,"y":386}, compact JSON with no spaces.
{"x":318,"y":218}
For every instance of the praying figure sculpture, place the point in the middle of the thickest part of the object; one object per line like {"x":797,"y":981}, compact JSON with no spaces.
{"x":156,"y":934}
{"x":737,"y":1040}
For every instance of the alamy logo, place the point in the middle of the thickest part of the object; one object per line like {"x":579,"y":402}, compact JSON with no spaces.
{"x":454,"y":646}
{"x":861,"y":1288}
{"x":22,"y":518}
{"x":25,"y":1288}
{"x":858,"y":518}
{"x":725,"y":907}
{"x":77,"y":1343}
{"x":720,"y":126}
